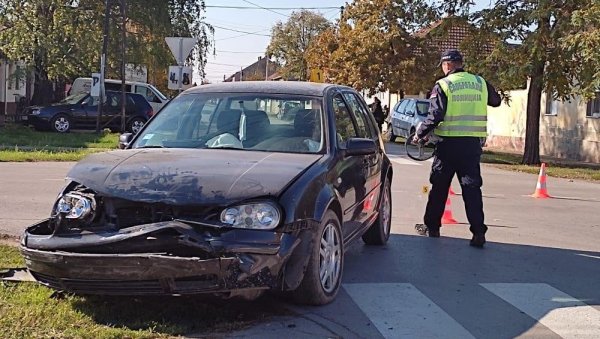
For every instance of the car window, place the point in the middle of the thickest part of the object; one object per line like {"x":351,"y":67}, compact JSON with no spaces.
{"x":359,"y":116}
{"x":410,"y":107}
{"x":422,"y":108}
{"x":401,"y":106}
{"x":244,"y":121}
{"x":343,"y":122}
{"x":147,"y":93}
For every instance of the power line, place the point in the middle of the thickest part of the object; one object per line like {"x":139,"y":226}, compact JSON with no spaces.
{"x":241,"y":35}
{"x":240,"y":52}
{"x":267,"y":9}
{"x":245,"y":32}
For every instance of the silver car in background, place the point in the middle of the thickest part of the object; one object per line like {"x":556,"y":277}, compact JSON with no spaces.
{"x":405,"y":116}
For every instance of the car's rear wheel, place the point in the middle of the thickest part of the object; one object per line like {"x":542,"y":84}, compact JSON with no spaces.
{"x":61,"y":123}
{"x":135,"y":124}
{"x":379,"y":232}
{"x":323,"y":275}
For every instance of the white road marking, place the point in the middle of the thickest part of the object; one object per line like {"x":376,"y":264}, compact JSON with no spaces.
{"x":399,"y":310}
{"x":403,"y":161}
{"x":564,"y":315}
{"x":585,"y":255}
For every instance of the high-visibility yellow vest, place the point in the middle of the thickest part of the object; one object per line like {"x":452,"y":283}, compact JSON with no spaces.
{"x":466,"y":114}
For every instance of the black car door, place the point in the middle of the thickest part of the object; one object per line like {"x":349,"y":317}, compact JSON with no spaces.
{"x":351,"y":171}
{"x":91,"y":110}
{"x":367,"y":129}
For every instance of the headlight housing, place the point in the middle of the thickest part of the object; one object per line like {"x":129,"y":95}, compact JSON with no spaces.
{"x":75,"y":206}
{"x":260,"y":215}
{"x":35,"y":111}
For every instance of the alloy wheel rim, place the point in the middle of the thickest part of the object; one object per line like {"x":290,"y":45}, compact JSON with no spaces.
{"x":330,"y":257}
{"x":136,"y":126}
{"x":61,"y":124}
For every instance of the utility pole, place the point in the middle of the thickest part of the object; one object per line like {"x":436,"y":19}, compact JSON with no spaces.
{"x":103,"y":62}
{"x":241,"y":73}
{"x":123,"y":45}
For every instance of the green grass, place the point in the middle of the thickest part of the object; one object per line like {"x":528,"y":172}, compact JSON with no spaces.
{"x":554,"y":169}
{"x":29,"y":310}
{"x":18,"y":143}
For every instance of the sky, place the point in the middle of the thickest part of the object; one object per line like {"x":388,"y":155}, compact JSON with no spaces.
{"x":236,"y":49}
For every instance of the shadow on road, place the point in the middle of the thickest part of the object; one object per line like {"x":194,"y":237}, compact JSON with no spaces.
{"x":446,"y":270}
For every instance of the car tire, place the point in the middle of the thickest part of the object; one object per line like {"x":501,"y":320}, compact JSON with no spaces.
{"x":391,"y":137}
{"x":379,"y":232}
{"x":327,"y":259}
{"x":135,"y":124}
{"x":61,"y":123}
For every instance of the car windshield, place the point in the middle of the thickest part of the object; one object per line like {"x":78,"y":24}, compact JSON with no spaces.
{"x":259,"y":122}
{"x":73,"y":99}
{"x":155,"y":90}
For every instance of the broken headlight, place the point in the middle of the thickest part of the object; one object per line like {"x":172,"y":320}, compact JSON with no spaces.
{"x":75,"y":206}
{"x":256,"y":215}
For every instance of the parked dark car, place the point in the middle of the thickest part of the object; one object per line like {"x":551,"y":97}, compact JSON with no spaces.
{"x":217,"y":195}
{"x":80,"y":111}
{"x":405,"y":117}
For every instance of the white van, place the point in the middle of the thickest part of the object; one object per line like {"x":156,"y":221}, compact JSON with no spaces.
{"x":151,"y":93}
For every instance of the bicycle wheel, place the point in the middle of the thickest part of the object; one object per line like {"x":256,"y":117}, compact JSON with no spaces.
{"x":417,"y":151}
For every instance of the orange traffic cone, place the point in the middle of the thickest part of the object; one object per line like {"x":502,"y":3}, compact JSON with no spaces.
{"x":540,"y":190}
{"x":451,"y":192}
{"x":447,"y":217}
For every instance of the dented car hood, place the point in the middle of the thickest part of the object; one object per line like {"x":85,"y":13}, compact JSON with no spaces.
{"x":189,"y":176}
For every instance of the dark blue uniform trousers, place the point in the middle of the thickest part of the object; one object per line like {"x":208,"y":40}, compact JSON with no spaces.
{"x":460,"y":156}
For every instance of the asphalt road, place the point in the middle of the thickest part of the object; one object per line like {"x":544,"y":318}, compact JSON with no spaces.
{"x":537,"y":277}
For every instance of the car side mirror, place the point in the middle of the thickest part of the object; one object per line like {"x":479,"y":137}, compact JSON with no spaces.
{"x":360,"y":146}
{"x":125,"y":139}
{"x":410,"y":113}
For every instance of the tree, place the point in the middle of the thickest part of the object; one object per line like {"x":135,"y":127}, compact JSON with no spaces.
{"x":536,"y":28}
{"x":291,"y":40}
{"x":375,"y":47}
{"x":584,"y":43}
{"x":60,"y":39}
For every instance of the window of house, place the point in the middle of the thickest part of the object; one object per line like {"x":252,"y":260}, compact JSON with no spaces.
{"x":551,"y":106}
{"x":17,"y":75}
{"x":593,"y":107}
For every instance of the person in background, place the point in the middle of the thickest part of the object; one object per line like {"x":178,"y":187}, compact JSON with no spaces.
{"x":377,"y":111}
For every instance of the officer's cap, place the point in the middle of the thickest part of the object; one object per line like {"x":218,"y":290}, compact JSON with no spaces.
{"x":451,"y":55}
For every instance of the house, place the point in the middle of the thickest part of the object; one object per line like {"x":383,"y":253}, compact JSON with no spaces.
{"x":12,"y":88}
{"x":261,"y":69}
{"x":568,"y":129}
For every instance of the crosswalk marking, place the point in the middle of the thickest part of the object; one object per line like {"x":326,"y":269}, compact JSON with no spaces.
{"x":558,"y":311}
{"x":399,"y":310}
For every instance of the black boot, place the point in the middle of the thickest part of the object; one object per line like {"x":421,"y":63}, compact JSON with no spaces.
{"x":478,"y":240}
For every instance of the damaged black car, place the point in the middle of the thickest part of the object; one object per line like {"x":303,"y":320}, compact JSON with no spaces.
{"x":217,"y":194}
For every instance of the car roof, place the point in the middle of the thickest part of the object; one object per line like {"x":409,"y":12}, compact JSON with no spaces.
{"x":267,"y":87}
{"x":115,"y":81}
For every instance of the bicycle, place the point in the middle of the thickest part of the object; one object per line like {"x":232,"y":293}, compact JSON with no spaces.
{"x":422,"y":150}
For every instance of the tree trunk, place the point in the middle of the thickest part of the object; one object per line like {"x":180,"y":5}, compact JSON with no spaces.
{"x":42,"y":89}
{"x":531,"y":154}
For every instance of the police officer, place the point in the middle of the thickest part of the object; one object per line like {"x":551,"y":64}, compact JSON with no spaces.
{"x":458,"y":114}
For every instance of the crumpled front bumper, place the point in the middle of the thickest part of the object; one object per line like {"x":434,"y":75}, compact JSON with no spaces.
{"x":122,"y":262}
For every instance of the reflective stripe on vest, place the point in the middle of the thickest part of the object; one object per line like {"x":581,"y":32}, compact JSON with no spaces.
{"x":466,"y":114}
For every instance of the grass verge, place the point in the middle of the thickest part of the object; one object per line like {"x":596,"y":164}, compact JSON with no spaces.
{"x":29,"y":310}
{"x":19,"y":143}
{"x":554,"y":169}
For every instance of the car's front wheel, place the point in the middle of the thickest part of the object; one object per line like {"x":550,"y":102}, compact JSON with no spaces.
{"x":61,"y":123}
{"x":323,"y":275}
{"x":391,"y":137}
{"x":379,"y":232}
